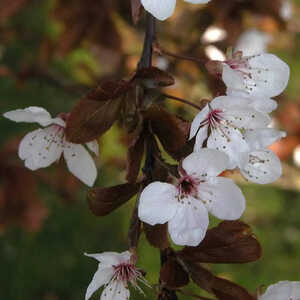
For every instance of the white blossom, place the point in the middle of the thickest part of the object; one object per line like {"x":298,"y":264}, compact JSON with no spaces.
{"x":114,"y":272}
{"x":262,"y":75}
{"x":42,"y":147}
{"x":199,"y":190}
{"x":259,"y":164}
{"x":222,"y":123}
{"x":283,"y":290}
{"x":163,"y":9}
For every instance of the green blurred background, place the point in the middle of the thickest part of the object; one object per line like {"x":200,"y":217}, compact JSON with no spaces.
{"x":49,"y":56}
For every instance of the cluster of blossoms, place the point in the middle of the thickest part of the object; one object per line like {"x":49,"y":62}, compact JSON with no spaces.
{"x":230,"y":132}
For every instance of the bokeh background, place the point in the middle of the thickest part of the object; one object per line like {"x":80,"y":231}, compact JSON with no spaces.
{"x":51,"y":53}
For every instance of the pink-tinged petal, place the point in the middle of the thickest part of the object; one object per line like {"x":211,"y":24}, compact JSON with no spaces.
{"x":228,"y":140}
{"x":232,"y":79}
{"x":110,"y":258}
{"x":189,"y":224}
{"x":160,"y":9}
{"x":158,"y":203}
{"x":263,"y":137}
{"x":222,"y":198}
{"x":197,"y":1}
{"x":41,"y":148}
{"x":261,"y":166}
{"x":270,"y":74}
{"x":282,"y":290}
{"x":201,"y":137}
{"x":80,"y":163}
{"x":93,"y":146}
{"x":205,"y":162}
{"x":102,"y":276}
{"x":30,"y":115}
{"x":200,"y":117}
{"x":115,"y":290}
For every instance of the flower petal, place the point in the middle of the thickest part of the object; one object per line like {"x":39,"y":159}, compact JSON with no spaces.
{"x":189,"y":224}
{"x":205,"y":162}
{"x":115,"y":290}
{"x":41,"y":147}
{"x":270,"y":74}
{"x":282,"y":290}
{"x":80,"y":163}
{"x":247,"y":118}
{"x":260,"y":103}
{"x":232,"y":79}
{"x":93,"y":146}
{"x":261,"y":166}
{"x":228,"y":140}
{"x":158,"y":203}
{"x":30,"y":115}
{"x":222,"y":198}
{"x":159,"y":9}
{"x":238,"y":111}
{"x":264,"y":104}
{"x":101,"y":277}
{"x":111,"y":258}
{"x":200,"y":117}
{"x":263,"y":137}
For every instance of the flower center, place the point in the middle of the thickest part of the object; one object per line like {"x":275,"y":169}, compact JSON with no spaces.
{"x":187,"y":186}
{"x":126,"y":272}
{"x":214,"y":117}
{"x":238,"y":62}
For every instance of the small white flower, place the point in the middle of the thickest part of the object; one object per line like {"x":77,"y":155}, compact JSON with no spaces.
{"x":42,"y":147}
{"x":259,"y":164}
{"x":185,"y":206}
{"x":283,"y":290}
{"x":263,"y":75}
{"x":222,"y":124}
{"x":163,"y":9}
{"x":115,"y":270}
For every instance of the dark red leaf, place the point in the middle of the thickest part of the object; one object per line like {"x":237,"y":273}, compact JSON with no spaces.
{"x":171,"y":130}
{"x":90,"y":119}
{"x":109,"y":90}
{"x":223,"y":289}
{"x":103,"y":201}
{"x":96,"y":112}
{"x":230,"y":242}
{"x":157,"y":235}
{"x":153,"y":77}
{"x":172,"y":274}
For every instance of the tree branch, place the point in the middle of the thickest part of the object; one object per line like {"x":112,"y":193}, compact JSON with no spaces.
{"x":150,"y":36}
